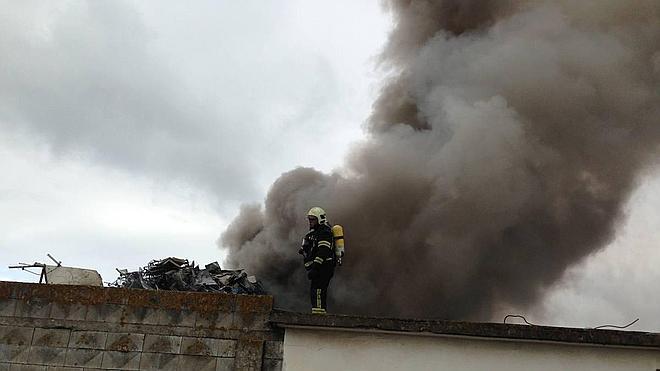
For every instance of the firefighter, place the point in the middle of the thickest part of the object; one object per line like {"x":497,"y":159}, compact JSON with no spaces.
{"x":319,"y":258}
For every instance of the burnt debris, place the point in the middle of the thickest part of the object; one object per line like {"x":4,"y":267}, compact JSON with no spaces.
{"x":180,"y":275}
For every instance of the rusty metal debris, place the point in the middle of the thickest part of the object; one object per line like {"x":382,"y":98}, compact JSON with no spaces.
{"x":180,"y":275}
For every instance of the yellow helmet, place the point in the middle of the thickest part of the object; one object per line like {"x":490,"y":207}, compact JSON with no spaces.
{"x":318,"y":213}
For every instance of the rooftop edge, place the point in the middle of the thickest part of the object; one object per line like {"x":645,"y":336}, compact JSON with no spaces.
{"x":490,"y":330}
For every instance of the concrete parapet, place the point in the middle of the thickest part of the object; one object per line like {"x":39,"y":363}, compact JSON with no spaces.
{"x":62,"y":327}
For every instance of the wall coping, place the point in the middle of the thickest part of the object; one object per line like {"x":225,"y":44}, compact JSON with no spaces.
{"x":493,"y":331}
{"x":159,"y":299}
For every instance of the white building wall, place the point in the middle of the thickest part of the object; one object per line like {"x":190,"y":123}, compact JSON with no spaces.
{"x":333,"y":350}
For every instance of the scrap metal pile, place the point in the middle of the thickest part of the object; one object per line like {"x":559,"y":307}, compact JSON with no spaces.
{"x":180,"y":275}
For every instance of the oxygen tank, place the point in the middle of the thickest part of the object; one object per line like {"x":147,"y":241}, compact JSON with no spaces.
{"x":338,"y":237}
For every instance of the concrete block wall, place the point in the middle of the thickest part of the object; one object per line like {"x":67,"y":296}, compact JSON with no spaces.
{"x":58,"y":327}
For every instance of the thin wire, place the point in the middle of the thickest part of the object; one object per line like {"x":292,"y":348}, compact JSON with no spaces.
{"x":615,"y":326}
{"x":595,"y":328}
{"x":517,"y":316}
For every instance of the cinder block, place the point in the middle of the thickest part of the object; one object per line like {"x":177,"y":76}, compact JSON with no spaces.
{"x":111,"y":313}
{"x":123,"y":342}
{"x":254,"y":303}
{"x":94,"y":313}
{"x":14,"y":353}
{"x":33,"y":308}
{"x":226,"y":348}
{"x":8,"y":307}
{"x":141,"y":315}
{"x":42,"y":291}
{"x":15,"y":335}
{"x":272,"y":365}
{"x":176,"y":318}
{"x":199,"y":346}
{"x":143,"y":298}
{"x":20,"y":291}
{"x":47,"y":356}
{"x":159,"y":361}
{"x":224,"y":364}
{"x":251,"y":321}
{"x":205,"y":302}
{"x":162,"y":344}
{"x":214,"y":320}
{"x":86,"y":295}
{"x":84,"y":357}
{"x":88,"y":339}
{"x":273,"y":349}
{"x":6,"y":289}
{"x":249,"y":354}
{"x":121,"y":360}
{"x":197,"y":363}
{"x":115,"y":295}
{"x":15,"y":367}
{"x":69,"y":311}
{"x":54,"y":338}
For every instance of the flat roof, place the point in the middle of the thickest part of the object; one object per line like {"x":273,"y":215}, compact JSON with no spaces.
{"x":486,"y":330}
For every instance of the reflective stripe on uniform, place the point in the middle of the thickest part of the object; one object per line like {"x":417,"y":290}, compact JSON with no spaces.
{"x":318,"y":311}
{"x":307,"y":264}
{"x":318,"y":260}
{"x":318,"y":299}
{"x":328,"y":259}
{"x":324,"y":243}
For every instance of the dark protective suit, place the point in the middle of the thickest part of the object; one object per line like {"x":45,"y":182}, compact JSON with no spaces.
{"x":319,"y":261}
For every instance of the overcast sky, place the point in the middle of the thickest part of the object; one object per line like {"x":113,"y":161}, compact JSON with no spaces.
{"x":131,"y":131}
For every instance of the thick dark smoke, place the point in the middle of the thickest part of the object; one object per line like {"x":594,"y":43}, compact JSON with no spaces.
{"x":500,"y":152}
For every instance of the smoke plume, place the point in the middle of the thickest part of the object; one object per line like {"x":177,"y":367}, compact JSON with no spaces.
{"x":500,"y":151}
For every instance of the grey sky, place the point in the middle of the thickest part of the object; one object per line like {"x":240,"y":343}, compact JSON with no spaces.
{"x":188,"y":93}
{"x":133,"y":130}
{"x":160,"y":111}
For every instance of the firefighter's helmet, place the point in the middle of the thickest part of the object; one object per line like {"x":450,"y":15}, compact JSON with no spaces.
{"x":318,"y":213}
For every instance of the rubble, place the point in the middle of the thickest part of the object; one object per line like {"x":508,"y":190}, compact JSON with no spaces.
{"x":180,"y":275}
